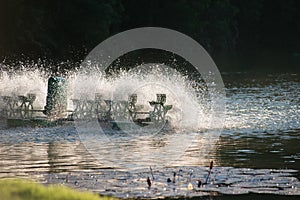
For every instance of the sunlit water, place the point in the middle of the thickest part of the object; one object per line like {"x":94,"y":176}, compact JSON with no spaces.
{"x":261,"y":135}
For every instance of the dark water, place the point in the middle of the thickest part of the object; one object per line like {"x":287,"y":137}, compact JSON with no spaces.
{"x":258,"y":152}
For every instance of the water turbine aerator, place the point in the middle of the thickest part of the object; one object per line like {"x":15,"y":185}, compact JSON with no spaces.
{"x":19,"y":110}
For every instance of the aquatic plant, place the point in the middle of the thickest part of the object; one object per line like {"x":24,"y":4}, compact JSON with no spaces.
{"x":149,"y":182}
{"x":209,"y":172}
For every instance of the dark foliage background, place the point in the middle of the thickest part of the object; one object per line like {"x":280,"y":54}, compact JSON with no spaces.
{"x":240,"y":35}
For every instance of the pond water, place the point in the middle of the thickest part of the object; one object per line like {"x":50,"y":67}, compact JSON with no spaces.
{"x":258,"y":151}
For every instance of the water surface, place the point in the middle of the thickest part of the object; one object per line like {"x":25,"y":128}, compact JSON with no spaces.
{"x":261,"y":136}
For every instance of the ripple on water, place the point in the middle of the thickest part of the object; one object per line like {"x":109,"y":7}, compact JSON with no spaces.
{"x":261,"y":131}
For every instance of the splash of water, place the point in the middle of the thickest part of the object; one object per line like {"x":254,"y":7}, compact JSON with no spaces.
{"x":190,"y":110}
{"x":23,"y":82}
